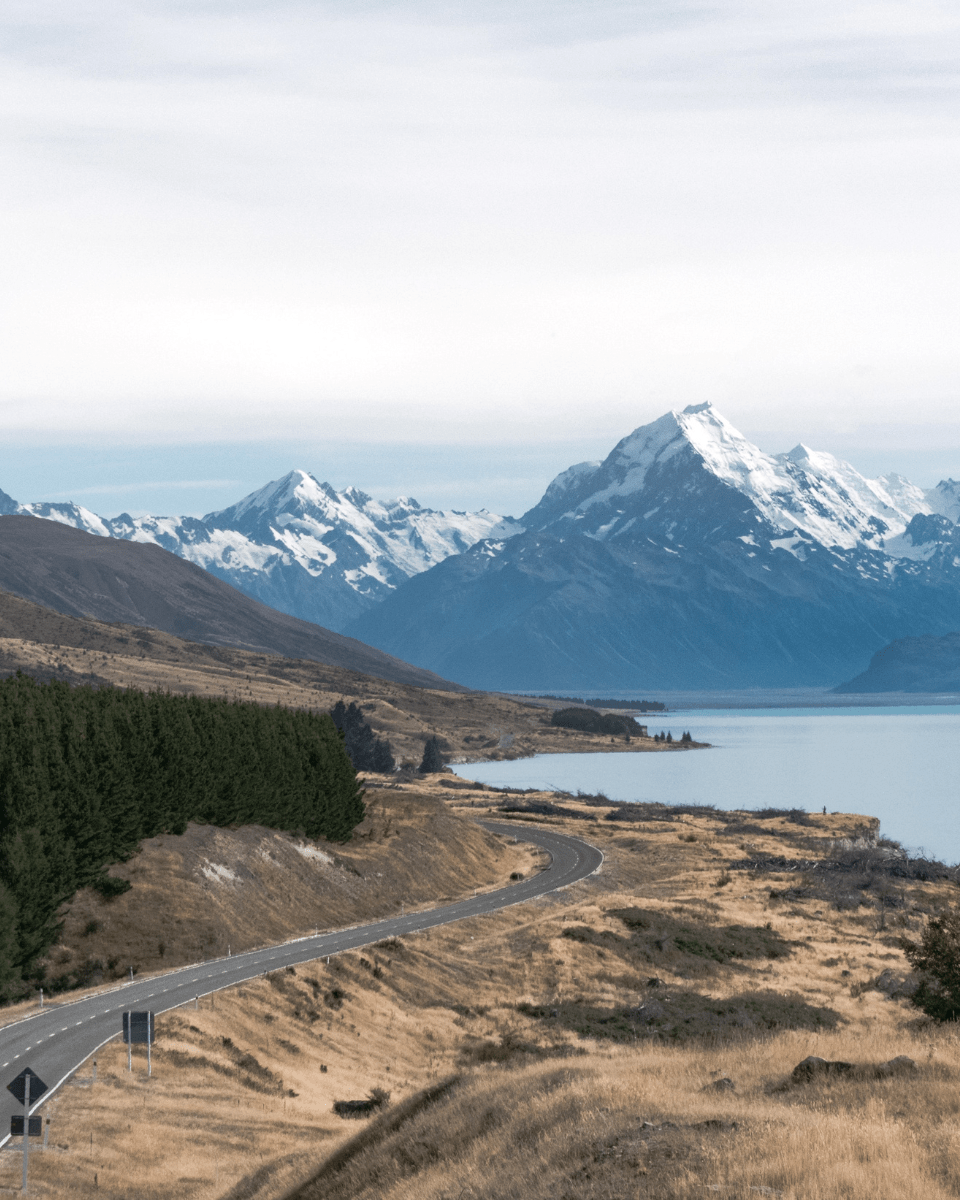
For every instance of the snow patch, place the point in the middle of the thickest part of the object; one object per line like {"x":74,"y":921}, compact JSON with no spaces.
{"x":217,"y":872}
{"x":313,"y":853}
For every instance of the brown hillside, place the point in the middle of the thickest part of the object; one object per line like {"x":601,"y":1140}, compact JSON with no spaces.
{"x":474,"y":725}
{"x":196,"y":896}
{"x":82,"y":575}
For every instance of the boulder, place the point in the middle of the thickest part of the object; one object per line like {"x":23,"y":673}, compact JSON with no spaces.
{"x":813,"y":1067}
{"x":893,"y":985}
{"x":901,"y":1065}
{"x":723,"y":1084}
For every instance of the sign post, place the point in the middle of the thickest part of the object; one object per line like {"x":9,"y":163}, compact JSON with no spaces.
{"x":138,"y":1027}
{"x":28,"y":1087}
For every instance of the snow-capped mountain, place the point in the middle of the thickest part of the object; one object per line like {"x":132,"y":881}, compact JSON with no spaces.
{"x":687,"y":558}
{"x":299,"y":545}
{"x":945,"y":499}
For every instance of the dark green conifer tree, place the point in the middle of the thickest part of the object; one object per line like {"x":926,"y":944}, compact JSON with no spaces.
{"x":432,"y":760}
{"x":11,"y":981}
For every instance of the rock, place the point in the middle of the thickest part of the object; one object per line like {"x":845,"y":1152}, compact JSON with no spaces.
{"x":901,"y":1065}
{"x":723,"y":1084}
{"x":813,"y":1067}
{"x":649,"y":1011}
{"x":893,"y":985}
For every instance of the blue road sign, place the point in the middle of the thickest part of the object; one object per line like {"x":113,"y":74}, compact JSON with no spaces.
{"x":19,"y":1086}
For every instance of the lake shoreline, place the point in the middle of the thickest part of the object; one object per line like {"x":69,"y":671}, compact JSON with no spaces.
{"x":898,"y":764}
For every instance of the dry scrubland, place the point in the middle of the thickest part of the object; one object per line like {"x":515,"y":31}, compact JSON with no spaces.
{"x":471,"y":725}
{"x":575,"y":1047}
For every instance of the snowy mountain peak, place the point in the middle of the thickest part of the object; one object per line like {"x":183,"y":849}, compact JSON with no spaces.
{"x":945,"y":499}
{"x":299,"y":545}
{"x":296,"y":490}
{"x":657,"y":472}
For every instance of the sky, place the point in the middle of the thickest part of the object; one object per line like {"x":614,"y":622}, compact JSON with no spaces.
{"x":447,"y":249}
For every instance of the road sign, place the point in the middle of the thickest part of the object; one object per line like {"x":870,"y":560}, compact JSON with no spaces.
{"x":138,"y":1028}
{"x":19,"y":1086}
{"x":36,"y":1126}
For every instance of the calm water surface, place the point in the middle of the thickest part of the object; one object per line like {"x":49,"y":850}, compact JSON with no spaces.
{"x":899,"y":764}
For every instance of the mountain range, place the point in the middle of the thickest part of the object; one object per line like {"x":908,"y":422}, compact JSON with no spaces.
{"x":299,"y":545}
{"x":72,"y":572}
{"x":687,"y":558}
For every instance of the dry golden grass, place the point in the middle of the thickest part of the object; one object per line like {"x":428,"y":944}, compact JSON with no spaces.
{"x":638,"y":1123}
{"x":541,"y":1110}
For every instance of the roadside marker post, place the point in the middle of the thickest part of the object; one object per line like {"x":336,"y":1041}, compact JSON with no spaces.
{"x":138,"y":1027}
{"x":28,"y":1087}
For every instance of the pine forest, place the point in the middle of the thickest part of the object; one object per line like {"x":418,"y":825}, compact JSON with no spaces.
{"x":86,"y":773}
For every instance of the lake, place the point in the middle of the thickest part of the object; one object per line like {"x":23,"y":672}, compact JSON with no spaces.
{"x":899,"y":764}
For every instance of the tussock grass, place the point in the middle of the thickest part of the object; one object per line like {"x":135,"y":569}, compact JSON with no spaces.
{"x":639,"y":1124}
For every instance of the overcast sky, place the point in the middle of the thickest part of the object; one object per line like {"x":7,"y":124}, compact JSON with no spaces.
{"x":449,"y":248}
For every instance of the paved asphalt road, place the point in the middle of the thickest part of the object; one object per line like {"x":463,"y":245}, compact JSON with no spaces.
{"x":56,"y":1041}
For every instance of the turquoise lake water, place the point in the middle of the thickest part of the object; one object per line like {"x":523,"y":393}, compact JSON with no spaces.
{"x":899,"y":764}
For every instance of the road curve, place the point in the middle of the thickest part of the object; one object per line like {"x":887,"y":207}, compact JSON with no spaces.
{"x":55,"y":1041}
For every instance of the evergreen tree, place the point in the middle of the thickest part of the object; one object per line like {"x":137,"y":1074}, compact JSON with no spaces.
{"x":10,"y":978}
{"x":366,"y":751}
{"x":432,"y":760}
{"x":937,"y":958}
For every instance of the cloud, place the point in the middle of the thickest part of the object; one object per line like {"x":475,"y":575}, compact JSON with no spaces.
{"x":474,"y":221}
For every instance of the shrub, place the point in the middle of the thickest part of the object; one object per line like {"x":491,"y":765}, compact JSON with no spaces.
{"x":937,"y":957}
{"x":588,"y":720}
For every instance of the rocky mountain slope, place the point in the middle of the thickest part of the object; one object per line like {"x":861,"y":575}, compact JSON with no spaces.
{"x":298,"y":545}
{"x":688,"y":558}
{"x":915,"y":664}
{"x":75,"y":573}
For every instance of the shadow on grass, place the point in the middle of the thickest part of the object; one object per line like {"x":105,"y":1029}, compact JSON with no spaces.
{"x":683,"y":1014}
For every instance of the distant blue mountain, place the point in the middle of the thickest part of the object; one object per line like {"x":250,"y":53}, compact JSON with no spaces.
{"x":687,"y":558}
{"x":915,"y":664}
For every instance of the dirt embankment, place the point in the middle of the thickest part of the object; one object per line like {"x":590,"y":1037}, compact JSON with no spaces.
{"x":213,"y":890}
{"x":633,"y":1035}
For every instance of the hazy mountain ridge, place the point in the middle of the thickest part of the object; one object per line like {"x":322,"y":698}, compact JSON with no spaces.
{"x":298,"y":545}
{"x":913,"y":664}
{"x":687,"y":558}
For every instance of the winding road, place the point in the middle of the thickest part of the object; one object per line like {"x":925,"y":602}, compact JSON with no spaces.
{"x":56,"y":1040}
